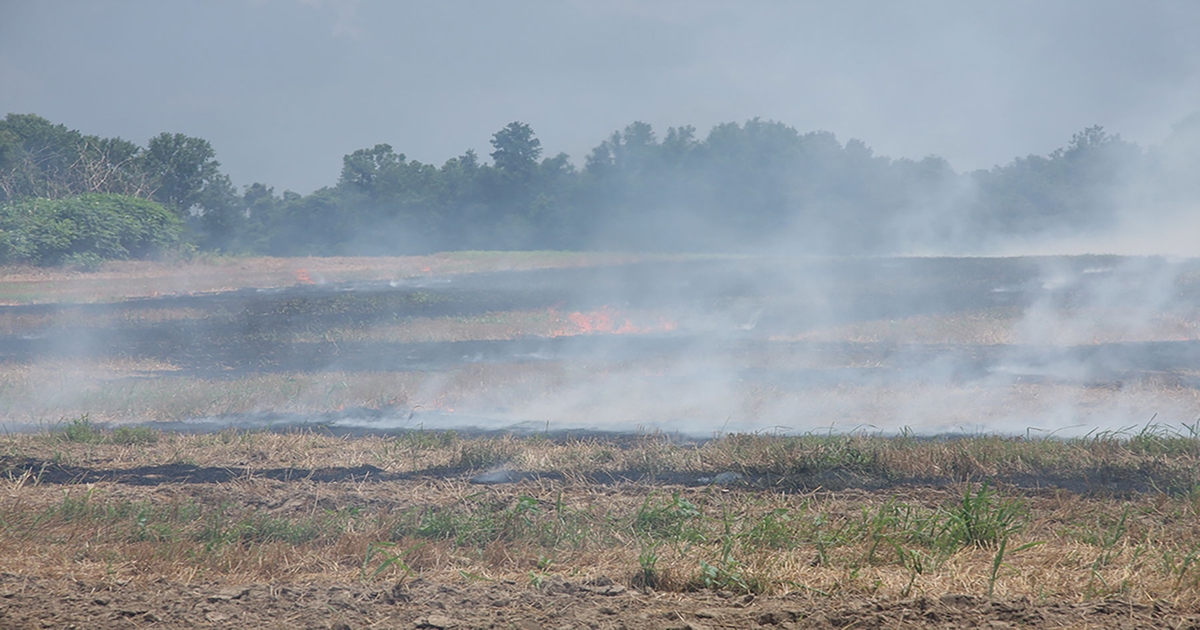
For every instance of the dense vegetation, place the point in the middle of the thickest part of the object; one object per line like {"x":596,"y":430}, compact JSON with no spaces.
{"x":743,"y":186}
{"x":86,"y":229}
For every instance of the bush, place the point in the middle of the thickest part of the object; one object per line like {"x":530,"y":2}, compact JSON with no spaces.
{"x":85,"y":229}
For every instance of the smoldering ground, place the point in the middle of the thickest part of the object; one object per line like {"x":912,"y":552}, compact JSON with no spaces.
{"x":785,"y":335}
{"x":696,"y":345}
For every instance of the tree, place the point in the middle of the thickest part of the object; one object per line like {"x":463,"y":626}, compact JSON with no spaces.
{"x":517,"y":150}
{"x":111,"y":165}
{"x":222,"y":217}
{"x":41,"y":159}
{"x":36,"y":157}
{"x":181,"y":168}
{"x":679,"y":142}
{"x":364,"y":169}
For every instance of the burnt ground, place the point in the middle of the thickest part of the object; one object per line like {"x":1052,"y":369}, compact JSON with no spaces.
{"x":741,"y":305}
{"x":1102,"y":479}
{"x":599,"y":604}
{"x":252,"y":331}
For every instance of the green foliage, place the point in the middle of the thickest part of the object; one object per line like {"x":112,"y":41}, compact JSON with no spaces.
{"x":82,"y":430}
{"x":218,"y":530}
{"x":85,"y":230}
{"x":648,"y":574}
{"x":384,"y":559}
{"x":183,"y":169}
{"x":133,"y":435}
{"x":984,"y":519}
{"x":478,"y":520}
{"x":775,"y":530}
{"x":805,"y":454}
{"x":41,"y":160}
{"x":727,"y":572}
{"x":674,"y":520}
{"x":1076,"y":186}
{"x":28,"y":147}
{"x":516,"y":149}
{"x":741,"y":185}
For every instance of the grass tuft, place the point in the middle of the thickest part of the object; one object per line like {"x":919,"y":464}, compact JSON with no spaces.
{"x":82,"y":430}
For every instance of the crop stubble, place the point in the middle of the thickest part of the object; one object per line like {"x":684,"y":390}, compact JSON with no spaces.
{"x":117,"y":525}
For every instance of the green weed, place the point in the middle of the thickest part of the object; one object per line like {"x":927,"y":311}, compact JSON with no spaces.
{"x":82,"y":430}
{"x":484,"y":453}
{"x":674,"y":520}
{"x":380,"y":553}
{"x":984,"y":519}
{"x":648,"y":574}
{"x":727,"y":572}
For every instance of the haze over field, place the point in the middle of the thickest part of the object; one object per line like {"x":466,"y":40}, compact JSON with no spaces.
{"x":604,"y":313}
{"x":781,"y":163}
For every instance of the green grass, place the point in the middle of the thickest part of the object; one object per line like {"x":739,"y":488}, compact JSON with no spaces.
{"x":674,"y":520}
{"x":984,"y":518}
{"x":83,"y":431}
{"x":213,"y":526}
{"x":761,"y":536}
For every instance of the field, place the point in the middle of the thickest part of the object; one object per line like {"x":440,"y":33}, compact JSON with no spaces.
{"x":551,"y":440}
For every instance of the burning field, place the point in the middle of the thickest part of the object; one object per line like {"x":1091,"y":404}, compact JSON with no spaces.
{"x":605,"y":443}
{"x":694,"y":347}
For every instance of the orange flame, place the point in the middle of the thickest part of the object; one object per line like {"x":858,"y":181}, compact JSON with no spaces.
{"x":440,"y":404}
{"x":302,"y":277}
{"x":606,"y":320}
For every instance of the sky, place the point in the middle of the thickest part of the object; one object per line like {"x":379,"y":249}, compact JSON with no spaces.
{"x":284,"y":88}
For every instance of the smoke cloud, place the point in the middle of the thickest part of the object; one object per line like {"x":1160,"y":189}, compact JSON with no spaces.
{"x":761,"y":279}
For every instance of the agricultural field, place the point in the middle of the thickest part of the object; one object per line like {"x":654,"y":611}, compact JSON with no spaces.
{"x":552,"y":440}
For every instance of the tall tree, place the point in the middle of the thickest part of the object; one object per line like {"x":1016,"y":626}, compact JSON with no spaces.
{"x":37,"y":157}
{"x":516,"y":149}
{"x":366,"y":170}
{"x":181,"y":167}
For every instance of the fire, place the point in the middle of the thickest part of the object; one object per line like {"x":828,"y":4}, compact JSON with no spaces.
{"x":606,"y":320}
{"x":437,"y":404}
{"x":302,"y":277}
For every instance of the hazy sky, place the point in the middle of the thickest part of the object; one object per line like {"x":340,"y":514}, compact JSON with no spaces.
{"x":284,"y":88}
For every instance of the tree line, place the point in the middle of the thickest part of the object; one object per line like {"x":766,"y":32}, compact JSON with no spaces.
{"x":739,"y":188}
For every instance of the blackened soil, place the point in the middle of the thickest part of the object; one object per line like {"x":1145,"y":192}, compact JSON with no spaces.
{"x":250,"y":330}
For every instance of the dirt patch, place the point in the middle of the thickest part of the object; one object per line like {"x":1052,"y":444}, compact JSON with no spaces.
{"x":596,"y":604}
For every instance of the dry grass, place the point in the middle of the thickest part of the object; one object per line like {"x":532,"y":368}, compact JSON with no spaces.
{"x":1071,"y":519}
{"x":125,"y":279}
{"x":143,"y":506}
{"x":497,"y":325}
{"x":46,"y":393}
{"x":1015,"y":326}
{"x":137,"y":391}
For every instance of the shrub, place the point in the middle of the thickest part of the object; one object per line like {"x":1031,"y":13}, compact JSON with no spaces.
{"x":85,"y":229}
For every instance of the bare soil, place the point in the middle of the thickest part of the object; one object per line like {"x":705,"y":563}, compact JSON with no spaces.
{"x":600,"y":604}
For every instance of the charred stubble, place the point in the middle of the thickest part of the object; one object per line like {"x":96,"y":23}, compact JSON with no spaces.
{"x":816,"y":517}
